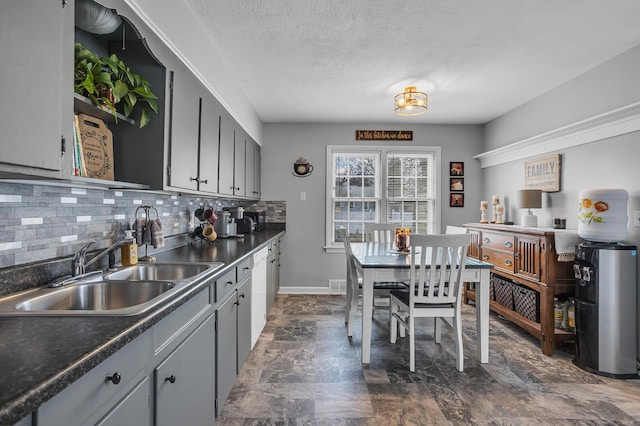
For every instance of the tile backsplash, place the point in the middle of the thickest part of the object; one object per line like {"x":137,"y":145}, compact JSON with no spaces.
{"x":40,"y":222}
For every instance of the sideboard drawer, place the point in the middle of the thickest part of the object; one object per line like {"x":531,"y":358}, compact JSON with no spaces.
{"x":499,"y":259}
{"x":497,"y":241}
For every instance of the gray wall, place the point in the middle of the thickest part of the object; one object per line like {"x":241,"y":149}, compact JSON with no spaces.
{"x":608,"y":163}
{"x":306,"y":264}
{"x":609,"y":86}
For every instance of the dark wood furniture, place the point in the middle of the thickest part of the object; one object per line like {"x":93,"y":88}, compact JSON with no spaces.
{"x":526,"y":256}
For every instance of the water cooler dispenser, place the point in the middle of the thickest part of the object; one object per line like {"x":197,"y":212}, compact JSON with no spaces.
{"x":605,"y":309}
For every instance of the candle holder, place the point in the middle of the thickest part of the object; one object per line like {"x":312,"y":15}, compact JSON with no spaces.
{"x":499,"y":217}
{"x":494,"y":218}
{"x":483,"y":216}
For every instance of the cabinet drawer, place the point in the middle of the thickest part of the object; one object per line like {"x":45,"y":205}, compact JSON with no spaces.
{"x":88,"y":394}
{"x":499,"y":259}
{"x":225,"y":283}
{"x":497,"y":241}
{"x":244,"y":270}
{"x":175,"y":323}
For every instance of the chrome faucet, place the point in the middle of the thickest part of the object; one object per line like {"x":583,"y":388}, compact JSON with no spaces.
{"x":79,"y":261}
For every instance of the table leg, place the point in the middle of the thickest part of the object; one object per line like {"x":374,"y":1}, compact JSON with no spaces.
{"x":367,"y":312}
{"x":482,"y":315}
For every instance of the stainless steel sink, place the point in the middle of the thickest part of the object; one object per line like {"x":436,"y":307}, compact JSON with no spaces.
{"x":96,"y":296}
{"x":162,"y":271}
{"x":130,"y":291}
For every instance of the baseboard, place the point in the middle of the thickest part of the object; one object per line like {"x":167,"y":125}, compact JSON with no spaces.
{"x":303,"y":290}
{"x":336,"y":287}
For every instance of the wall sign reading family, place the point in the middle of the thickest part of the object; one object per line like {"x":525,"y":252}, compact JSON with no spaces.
{"x":384,"y":135}
{"x":543,"y":173}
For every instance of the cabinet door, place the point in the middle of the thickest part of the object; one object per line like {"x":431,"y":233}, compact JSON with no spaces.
{"x":244,"y":322}
{"x":271,"y":278}
{"x":133,"y":409}
{"x":185,"y":113}
{"x":226,"y":345}
{"x":239,"y":160}
{"x":185,"y":381}
{"x":226,"y":160}
{"x":528,"y":257}
{"x":209,"y":140}
{"x":253,"y":169}
{"x":36,"y":41}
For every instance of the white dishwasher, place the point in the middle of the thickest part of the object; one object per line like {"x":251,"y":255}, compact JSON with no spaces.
{"x":258,"y":294}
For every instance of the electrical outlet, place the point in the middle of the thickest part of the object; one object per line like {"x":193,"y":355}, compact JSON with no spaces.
{"x":636,"y":219}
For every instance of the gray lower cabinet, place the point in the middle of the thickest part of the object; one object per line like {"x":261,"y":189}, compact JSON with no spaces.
{"x":244,"y":322}
{"x":38,"y":110}
{"x":226,"y":346}
{"x":185,"y":381}
{"x":273,"y":273}
{"x":233,"y":331}
{"x":101,"y":391}
{"x":133,"y":409}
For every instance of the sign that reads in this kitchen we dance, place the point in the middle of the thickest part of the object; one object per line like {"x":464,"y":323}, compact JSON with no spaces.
{"x":384,"y":135}
{"x":543,"y":173}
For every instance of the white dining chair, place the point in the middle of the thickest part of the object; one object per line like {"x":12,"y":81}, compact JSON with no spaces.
{"x":383,"y":233}
{"x":354,"y":284}
{"x":436,"y":269}
{"x":453,"y":230}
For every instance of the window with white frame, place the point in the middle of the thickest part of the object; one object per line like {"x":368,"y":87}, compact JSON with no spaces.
{"x":381,"y":185}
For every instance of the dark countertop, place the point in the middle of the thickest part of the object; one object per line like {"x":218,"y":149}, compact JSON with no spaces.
{"x":41,"y":356}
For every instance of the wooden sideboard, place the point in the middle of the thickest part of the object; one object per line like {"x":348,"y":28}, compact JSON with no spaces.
{"x":526,"y":256}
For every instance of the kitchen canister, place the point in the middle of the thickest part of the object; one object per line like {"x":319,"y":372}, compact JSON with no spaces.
{"x":603,"y":215}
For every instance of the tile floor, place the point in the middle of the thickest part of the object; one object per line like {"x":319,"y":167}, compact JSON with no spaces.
{"x":305,"y":371}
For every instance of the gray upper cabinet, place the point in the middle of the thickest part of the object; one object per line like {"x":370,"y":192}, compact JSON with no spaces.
{"x":239,"y":160}
{"x":253,"y":169}
{"x":209,"y":144}
{"x":185,"y":121}
{"x":37,"y":112}
{"x":226,"y":161}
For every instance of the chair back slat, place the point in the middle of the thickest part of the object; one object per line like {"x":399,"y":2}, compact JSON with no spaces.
{"x":383,"y":233}
{"x":351,"y":267}
{"x":437,"y":266}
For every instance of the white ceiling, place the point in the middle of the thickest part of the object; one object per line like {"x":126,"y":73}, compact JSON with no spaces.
{"x":342,"y":60}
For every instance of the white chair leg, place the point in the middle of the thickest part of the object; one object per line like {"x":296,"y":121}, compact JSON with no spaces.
{"x":412,"y":343}
{"x":437,"y":326}
{"x":348,"y":303}
{"x":459,"y":350}
{"x":393,"y":321}
{"x":352,"y":313}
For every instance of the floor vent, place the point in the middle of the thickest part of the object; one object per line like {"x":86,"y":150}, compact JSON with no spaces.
{"x":337,"y":286}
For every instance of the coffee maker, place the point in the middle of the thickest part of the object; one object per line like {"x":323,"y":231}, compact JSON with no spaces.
{"x":225,"y":226}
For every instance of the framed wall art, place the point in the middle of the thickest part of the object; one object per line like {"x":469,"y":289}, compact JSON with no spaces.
{"x":456,"y":199}
{"x":456,"y":184}
{"x":456,"y":168}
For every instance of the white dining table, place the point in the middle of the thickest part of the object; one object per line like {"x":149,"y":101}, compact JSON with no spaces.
{"x":381,"y":262}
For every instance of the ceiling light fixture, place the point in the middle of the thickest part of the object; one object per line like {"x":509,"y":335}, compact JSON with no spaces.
{"x":410,"y":102}
{"x":95,"y":18}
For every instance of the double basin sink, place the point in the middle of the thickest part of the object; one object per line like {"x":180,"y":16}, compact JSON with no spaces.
{"x":130,"y":290}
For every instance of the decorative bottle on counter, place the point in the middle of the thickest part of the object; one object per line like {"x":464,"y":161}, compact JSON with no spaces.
{"x":571,"y":315}
{"x":558,"y":313}
{"x":129,"y":250}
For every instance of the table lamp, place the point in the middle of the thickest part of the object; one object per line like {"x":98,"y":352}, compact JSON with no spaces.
{"x":529,"y":199}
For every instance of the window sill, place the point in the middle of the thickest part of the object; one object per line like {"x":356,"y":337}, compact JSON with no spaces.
{"x":333,"y":250}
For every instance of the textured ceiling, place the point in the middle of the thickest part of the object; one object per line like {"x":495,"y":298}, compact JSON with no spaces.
{"x":339,"y":61}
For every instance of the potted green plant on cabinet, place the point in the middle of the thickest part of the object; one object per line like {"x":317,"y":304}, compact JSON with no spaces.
{"x":108,"y":81}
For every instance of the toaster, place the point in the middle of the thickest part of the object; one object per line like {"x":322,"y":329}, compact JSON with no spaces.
{"x":259,"y":219}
